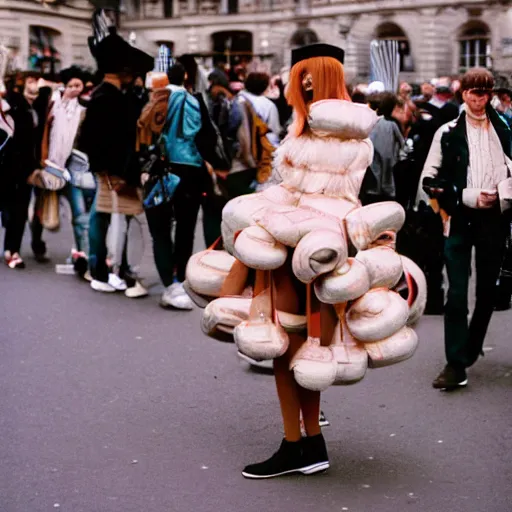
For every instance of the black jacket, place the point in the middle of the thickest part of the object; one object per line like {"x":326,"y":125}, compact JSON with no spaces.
{"x":108,"y":133}
{"x":453,"y":173}
{"x":25,"y":150}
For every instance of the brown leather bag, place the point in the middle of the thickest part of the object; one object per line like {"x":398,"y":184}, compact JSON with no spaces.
{"x":47,"y":209}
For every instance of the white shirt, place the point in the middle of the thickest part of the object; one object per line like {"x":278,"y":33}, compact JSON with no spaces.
{"x":487,"y":165}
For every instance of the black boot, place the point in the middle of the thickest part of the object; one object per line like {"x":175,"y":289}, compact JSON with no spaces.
{"x":314,"y":455}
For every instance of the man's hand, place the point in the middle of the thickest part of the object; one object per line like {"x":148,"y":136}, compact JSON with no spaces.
{"x":144,"y":177}
{"x":120,"y":186}
{"x":487,"y":199}
{"x":222,"y":174}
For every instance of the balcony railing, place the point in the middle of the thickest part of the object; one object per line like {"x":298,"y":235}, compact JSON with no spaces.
{"x":152,"y":9}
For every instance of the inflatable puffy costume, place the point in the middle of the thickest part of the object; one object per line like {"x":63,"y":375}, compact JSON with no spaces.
{"x":308,"y":277}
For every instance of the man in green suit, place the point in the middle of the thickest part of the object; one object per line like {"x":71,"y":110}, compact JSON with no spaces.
{"x":467,"y":171}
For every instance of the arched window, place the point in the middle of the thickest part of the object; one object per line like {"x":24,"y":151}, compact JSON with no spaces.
{"x":43,"y":53}
{"x":475,"y":46}
{"x":169,"y":44}
{"x":233,"y":47}
{"x":303,"y":37}
{"x":391,"y":31}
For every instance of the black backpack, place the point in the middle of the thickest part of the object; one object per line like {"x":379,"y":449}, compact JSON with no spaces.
{"x":209,"y":141}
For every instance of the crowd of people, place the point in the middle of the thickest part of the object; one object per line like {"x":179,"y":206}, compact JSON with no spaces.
{"x":134,"y":145}
{"x":235,"y":123}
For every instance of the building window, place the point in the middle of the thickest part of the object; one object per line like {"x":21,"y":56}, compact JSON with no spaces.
{"x":392,"y":32}
{"x":233,"y":7}
{"x":168,"y":9}
{"x":475,"y":47}
{"x":304,"y":37}
{"x":43,"y":53}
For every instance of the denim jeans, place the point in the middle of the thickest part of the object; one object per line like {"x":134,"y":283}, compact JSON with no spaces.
{"x":99,"y":223}
{"x":80,"y":201}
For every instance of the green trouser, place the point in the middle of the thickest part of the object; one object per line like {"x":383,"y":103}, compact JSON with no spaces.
{"x":486,"y":232}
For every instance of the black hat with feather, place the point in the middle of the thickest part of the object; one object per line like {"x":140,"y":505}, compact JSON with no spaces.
{"x":112,"y":53}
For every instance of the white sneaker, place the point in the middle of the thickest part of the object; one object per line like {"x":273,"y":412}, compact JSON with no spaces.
{"x":116,"y":282}
{"x":136,"y":292}
{"x":100,"y":286}
{"x":176,"y":297}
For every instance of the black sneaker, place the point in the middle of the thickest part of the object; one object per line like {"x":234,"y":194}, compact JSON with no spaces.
{"x":451,"y":378}
{"x":322,"y":420}
{"x":39,"y":250}
{"x":80,"y":265}
{"x":314,"y":455}
{"x":41,"y":257}
{"x":287,"y":460}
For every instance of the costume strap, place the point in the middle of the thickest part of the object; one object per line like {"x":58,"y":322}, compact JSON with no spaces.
{"x":313,"y":313}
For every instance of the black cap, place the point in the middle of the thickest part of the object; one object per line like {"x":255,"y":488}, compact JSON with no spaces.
{"x":317,"y":50}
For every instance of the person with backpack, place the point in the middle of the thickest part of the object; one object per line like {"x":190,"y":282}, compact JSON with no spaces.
{"x":221,"y":117}
{"x":258,"y":136}
{"x":183,"y":123}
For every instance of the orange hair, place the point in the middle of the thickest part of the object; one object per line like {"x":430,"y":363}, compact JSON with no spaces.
{"x":328,"y":84}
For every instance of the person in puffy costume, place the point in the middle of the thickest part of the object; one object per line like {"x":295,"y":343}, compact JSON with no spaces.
{"x":308,"y":277}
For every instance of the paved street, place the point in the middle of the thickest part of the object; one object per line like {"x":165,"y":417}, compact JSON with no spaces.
{"x":114,"y":405}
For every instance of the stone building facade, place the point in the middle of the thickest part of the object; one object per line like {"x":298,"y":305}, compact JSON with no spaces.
{"x":46,"y":35}
{"x":436,"y":37}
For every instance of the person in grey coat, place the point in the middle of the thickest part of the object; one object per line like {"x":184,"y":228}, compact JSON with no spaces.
{"x":379,"y":183}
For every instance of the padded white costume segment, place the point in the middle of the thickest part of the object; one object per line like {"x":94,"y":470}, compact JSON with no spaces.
{"x":345,"y":119}
{"x":418,"y":294}
{"x":315,"y":215}
{"x":377,"y":315}
{"x":314,"y":367}
{"x":261,"y":340}
{"x":292,"y":323}
{"x":346,"y":282}
{"x":331,"y":161}
{"x":351,"y":357}
{"x":384,"y":266}
{"x":240,"y":212}
{"x":398,"y":347}
{"x":257,"y":249}
{"x":366,"y":224}
{"x":317,"y":253}
{"x":207,"y":271}
{"x":288,"y":227}
{"x":335,"y":207}
{"x":226,"y":312}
